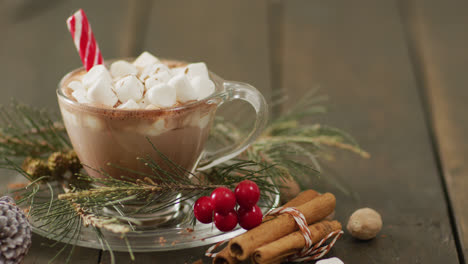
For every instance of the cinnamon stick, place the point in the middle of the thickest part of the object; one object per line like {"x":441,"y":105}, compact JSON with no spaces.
{"x":301,"y":198}
{"x":224,"y":257}
{"x":278,"y":250}
{"x":243,"y":246}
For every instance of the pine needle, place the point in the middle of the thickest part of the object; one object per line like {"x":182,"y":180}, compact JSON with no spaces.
{"x":287,"y":149}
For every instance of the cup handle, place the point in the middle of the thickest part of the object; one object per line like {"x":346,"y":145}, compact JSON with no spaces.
{"x":248,"y":93}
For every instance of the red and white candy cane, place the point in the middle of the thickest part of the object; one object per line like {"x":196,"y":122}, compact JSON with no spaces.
{"x":83,"y":37}
{"x":310,"y":251}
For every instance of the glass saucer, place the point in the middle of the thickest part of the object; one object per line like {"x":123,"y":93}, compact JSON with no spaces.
{"x":179,"y":233}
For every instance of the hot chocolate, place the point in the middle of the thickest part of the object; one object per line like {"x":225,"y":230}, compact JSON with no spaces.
{"x":103,"y":134}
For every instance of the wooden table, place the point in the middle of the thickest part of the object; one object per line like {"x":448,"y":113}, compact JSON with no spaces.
{"x":396,"y":73}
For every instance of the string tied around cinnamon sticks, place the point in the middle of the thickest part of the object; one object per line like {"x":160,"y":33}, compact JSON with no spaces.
{"x":310,"y":251}
{"x":298,"y":217}
{"x":317,"y":251}
{"x":302,"y":198}
{"x":279,"y":237}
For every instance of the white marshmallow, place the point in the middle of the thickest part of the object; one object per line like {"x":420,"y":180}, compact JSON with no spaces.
{"x":184,"y":90}
{"x":153,"y":129}
{"x":330,"y":261}
{"x":70,"y":118}
{"x":75,"y":85}
{"x":81,"y":96}
{"x":130,"y":104}
{"x":204,"y":86}
{"x":158,"y":127}
{"x":100,"y":92}
{"x":154,"y":69}
{"x":204,"y":121}
{"x":160,"y":124}
{"x":178,"y":70}
{"x":129,"y":87}
{"x":158,"y":78}
{"x":162,"y":95}
{"x":121,"y":68}
{"x":143,"y":103}
{"x":92,"y":122}
{"x":96,"y":72}
{"x":151,"y":107}
{"x":145,"y":59}
{"x":197,"y":69}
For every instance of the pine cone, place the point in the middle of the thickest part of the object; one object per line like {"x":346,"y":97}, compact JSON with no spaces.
{"x":57,"y":163}
{"x":15,"y":232}
{"x":74,"y":164}
{"x":36,"y":168}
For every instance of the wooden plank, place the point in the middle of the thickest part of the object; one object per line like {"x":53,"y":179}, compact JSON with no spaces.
{"x":437,"y":32}
{"x":36,"y":51}
{"x":232,"y":41}
{"x":135,"y":27}
{"x":41,"y":253}
{"x":276,"y":39}
{"x":173,"y":257}
{"x":230,"y":36}
{"x":357,"y":52}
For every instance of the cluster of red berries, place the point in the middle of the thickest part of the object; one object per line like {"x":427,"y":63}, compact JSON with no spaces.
{"x":220,"y":207}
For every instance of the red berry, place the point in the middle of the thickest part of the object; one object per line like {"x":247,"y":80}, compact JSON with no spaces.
{"x":225,"y":222}
{"x":247,"y":193}
{"x":250,"y":218}
{"x":223,"y":200}
{"x":203,"y":210}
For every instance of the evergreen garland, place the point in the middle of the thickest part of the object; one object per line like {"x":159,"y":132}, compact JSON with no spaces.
{"x":38,"y":148}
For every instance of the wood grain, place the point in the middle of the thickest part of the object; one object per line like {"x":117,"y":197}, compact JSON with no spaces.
{"x":230,"y":36}
{"x":357,"y":52}
{"x":41,"y":252}
{"x":437,"y":32}
{"x":173,"y":257}
{"x":276,"y":42}
{"x":372,"y":63}
{"x":37,"y":50}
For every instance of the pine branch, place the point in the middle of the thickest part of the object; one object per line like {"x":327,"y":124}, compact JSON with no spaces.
{"x":158,"y":193}
{"x":27,"y":131}
{"x":96,"y":221}
{"x":291,"y":147}
{"x":287,"y":149}
{"x":141,"y":188}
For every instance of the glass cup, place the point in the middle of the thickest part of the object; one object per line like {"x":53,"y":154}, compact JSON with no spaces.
{"x":103,"y":136}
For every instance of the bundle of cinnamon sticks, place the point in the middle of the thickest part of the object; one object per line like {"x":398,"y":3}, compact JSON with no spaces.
{"x":278,"y":236}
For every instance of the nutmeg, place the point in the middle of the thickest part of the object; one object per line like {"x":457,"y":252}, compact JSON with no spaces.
{"x":364,"y":224}
{"x":289,"y":188}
